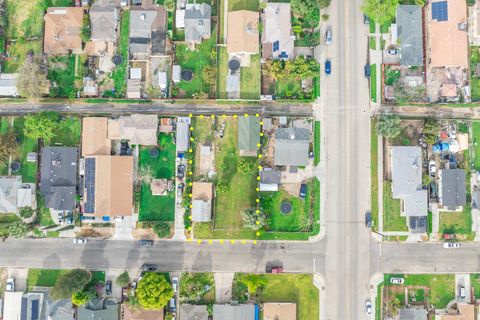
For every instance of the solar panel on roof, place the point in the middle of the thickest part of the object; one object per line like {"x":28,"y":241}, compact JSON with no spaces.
{"x":34,"y":310}
{"x":440,"y":11}
{"x":276,"y":45}
{"x":90,"y":165}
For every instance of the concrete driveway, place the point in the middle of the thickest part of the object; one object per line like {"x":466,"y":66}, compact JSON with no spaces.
{"x":124,"y":227}
{"x":463,"y":280}
{"x":20,"y":275}
{"x":223,"y":287}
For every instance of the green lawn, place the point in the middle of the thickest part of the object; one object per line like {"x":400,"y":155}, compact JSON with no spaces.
{"x":374,"y":173}
{"x":475,"y":81}
{"x":476,"y":143}
{"x":392,"y":221}
{"x":198,"y":287}
{"x":250,"y":78}
{"x":372,"y":43}
{"x":195,"y":61}
{"x":317,"y":142}
{"x":373,"y":82}
{"x":6,"y":219}
{"x":384,"y":28}
{"x":475,"y":282}
{"x":222,"y":71}
{"x":288,"y":89}
{"x":45,"y":218}
{"x":391,"y":76}
{"x":158,"y":208}
{"x":18,"y":52}
{"x":68,"y":133}
{"x":28,"y":170}
{"x":48,"y":277}
{"x":372,"y":26}
{"x":297,"y":288}
{"x":203,"y":133}
{"x":119,"y":73}
{"x":24,"y":18}
{"x":442,"y":287}
{"x":63,"y":80}
{"x":251,"y":5}
{"x":459,"y":223}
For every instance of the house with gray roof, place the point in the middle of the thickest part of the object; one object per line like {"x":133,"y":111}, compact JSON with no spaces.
{"x":452,"y":189}
{"x":182,"y":138}
{"x":291,"y":146}
{"x":269,"y":179}
{"x":406,"y":164}
{"x":14,"y":194}
{"x":277,"y":37}
{"x":148,"y":27}
{"x":197,"y":22}
{"x":24,"y":306}
{"x":193,"y":312}
{"x":99,"y":309}
{"x":410,"y":34}
{"x":235,"y":311}
{"x":104,"y":17}
{"x":58,"y":177}
{"x":248,"y":136}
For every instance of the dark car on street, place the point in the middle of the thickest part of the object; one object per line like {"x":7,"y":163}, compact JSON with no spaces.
{"x":328,"y":66}
{"x":146,"y":243}
{"x":108,"y":287}
{"x":181,"y":171}
{"x":149,"y":267}
{"x":366,"y":70}
{"x":303,"y":190}
{"x":368,"y":220}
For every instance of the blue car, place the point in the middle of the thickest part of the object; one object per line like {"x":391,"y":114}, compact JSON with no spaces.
{"x":328,"y":67}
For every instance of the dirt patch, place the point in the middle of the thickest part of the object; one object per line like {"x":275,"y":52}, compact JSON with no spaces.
{"x":95,"y":232}
{"x":291,"y":188}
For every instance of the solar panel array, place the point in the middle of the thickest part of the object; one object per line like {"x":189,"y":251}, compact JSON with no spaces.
{"x":440,"y":11}
{"x":34,"y":310}
{"x":90,"y":165}
{"x":276,"y":46}
{"x":283,"y":55}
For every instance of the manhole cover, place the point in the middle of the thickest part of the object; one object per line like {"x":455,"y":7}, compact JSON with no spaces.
{"x":286,"y":207}
{"x":187,"y":75}
{"x":117,"y":59}
{"x":154,"y":152}
{"x":15,"y":166}
{"x":234,"y":64}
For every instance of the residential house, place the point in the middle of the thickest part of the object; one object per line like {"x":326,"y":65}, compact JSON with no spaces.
{"x":197,"y":22}
{"x":8,"y":85}
{"x":277,"y":38}
{"x":248,"y":136}
{"x":104,"y":20}
{"x":183,"y":134}
{"x":279,"y":311}
{"x":291,"y":146}
{"x":63,"y":27}
{"x":24,"y":306}
{"x":58,"y":177}
{"x":235,"y":311}
{"x":463,"y":312}
{"x":166,"y":125}
{"x":452,"y":189}
{"x":90,"y":87}
{"x":406,"y":164}
{"x":99,"y":309}
{"x":242,"y":33}
{"x":14,"y":194}
{"x":417,"y":313}
{"x":148,"y":25}
{"x":139,"y":129}
{"x":269,"y":179}
{"x":193,"y":312}
{"x":95,"y":140}
{"x":133,"y":313}
{"x":202,"y":196}
{"x":176,"y":73}
{"x":410,"y":35}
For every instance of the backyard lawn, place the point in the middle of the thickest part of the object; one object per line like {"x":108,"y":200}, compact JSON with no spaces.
{"x":442,"y":287}
{"x":158,"y":208}
{"x":28,"y":170}
{"x":119,"y":73}
{"x":63,"y":81}
{"x":68,"y":133}
{"x":459,"y":223}
{"x":476,"y":143}
{"x":18,"y":52}
{"x":222,"y":71}
{"x":195,"y":61}
{"x":288,"y":89}
{"x":251,"y":5}
{"x":6,"y":219}
{"x":373,"y":82}
{"x":48,"y":277}
{"x":475,"y":80}
{"x":296,"y":288}
{"x":250,"y":78}
{"x":392,"y":221}
{"x":203,"y":131}
{"x":24,"y":18}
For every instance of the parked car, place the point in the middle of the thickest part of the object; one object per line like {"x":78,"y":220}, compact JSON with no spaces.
{"x":366,"y":70}
{"x":461,"y":292}
{"x":451,"y":245}
{"x":393,"y":51}
{"x":397,"y":280}
{"x":432,"y":168}
{"x":149,"y":267}
{"x":368,"y":219}
{"x":328,"y":36}
{"x":172,"y":305}
{"x":433,"y":190}
{"x":303,"y":190}
{"x":175,"y":285}
{"x":79,"y":240}
{"x":366,"y":19}
{"x":181,"y":171}
{"x":146,"y":243}
{"x":124,"y":294}
{"x":274,"y":269}
{"x":328,"y":66}
{"x":368,"y":307}
{"x":78,"y":3}
{"x":10,"y":285}
{"x":108,"y":287}
{"x":180,"y":188}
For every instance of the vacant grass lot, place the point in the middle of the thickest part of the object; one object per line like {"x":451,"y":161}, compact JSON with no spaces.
{"x":68,"y":133}
{"x":63,"y":80}
{"x":203,"y":132}
{"x":297,"y":288}
{"x":158,"y":208}
{"x":476,"y":143}
{"x":24,"y":18}
{"x":18,"y":52}
{"x":195,"y":61}
{"x":28,"y":170}
{"x":288,"y":89}
{"x":475,"y":81}
{"x":119,"y":73}
{"x":459,"y":223}
{"x":222,"y":71}
{"x":48,"y":277}
{"x":392,"y":221}
{"x":373,"y":82}
{"x":250,"y":78}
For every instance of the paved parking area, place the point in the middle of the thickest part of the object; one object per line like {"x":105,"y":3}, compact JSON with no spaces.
{"x":223,"y":287}
{"x":463,"y":280}
{"x":20,"y":275}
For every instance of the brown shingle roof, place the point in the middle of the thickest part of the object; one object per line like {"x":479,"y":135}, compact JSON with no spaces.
{"x":466,"y":312}
{"x":202,"y":191}
{"x":279,"y":311}
{"x":242,"y":32}
{"x":94,"y":137}
{"x":62,"y":30}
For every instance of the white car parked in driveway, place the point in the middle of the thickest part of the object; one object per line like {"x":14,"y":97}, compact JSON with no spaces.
{"x":451,"y":245}
{"x":10,"y":285}
{"x":397,"y":280}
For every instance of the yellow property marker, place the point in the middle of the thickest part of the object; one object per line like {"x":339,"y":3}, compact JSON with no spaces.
{"x":257,"y":115}
{"x":235,"y":116}
{"x":222,"y":241}
{"x":199,"y":241}
{"x":243,"y":241}
{"x":209,"y":241}
{"x":232,"y":241}
{"x":254,"y":241}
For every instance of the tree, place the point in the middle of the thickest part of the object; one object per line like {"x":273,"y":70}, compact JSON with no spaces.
{"x":303,"y":8}
{"x":153,"y":291}
{"x":79,"y":298}
{"x":381,"y":11}
{"x":8,"y":144}
{"x":170,"y":5}
{"x":26,"y":212}
{"x":69,"y":283}
{"x":298,"y":69}
{"x":254,"y":219}
{"x":431,"y":129}
{"x":18,"y":230}
{"x":209,"y":75}
{"x":389,"y":126}
{"x":162,"y":229}
{"x":41,"y":125}
{"x":144,"y":174}
{"x":324,"y":3}
{"x":123,"y":279}
{"x":253,"y":282}
{"x":32,"y":80}
{"x":223,"y":187}
{"x":86,"y":29}
{"x":246,"y":166}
